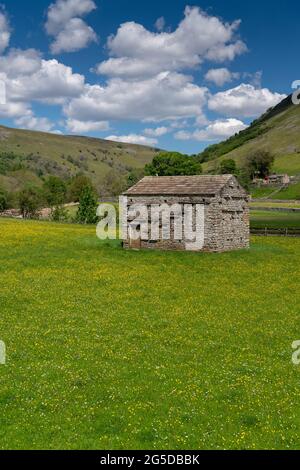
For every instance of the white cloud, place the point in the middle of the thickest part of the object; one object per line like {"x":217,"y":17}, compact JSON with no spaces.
{"x":20,"y":62}
{"x":132,"y":139}
{"x":76,"y":35}
{"x":10,"y":109}
{"x":217,"y":130}
{"x":80,"y":127}
{"x":220,"y":76}
{"x":4,"y":32}
{"x":64,"y":23}
{"x":137,"y":52}
{"x":221,"y":129}
{"x":254,"y":79}
{"x":60,"y":12}
{"x":52,"y":83}
{"x":157,"y":132}
{"x":128,"y":68}
{"x":166,"y":96}
{"x":27,"y":77}
{"x":201,"y":120}
{"x":244,"y":101}
{"x":160,"y":24}
{"x":183,"y":135}
{"x":144,"y":80}
{"x":13,"y":110}
{"x":35,"y":123}
{"x":228,"y":52}
{"x":180,"y":124}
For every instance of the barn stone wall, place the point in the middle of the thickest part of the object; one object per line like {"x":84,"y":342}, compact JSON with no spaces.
{"x":226,"y":220}
{"x":234,"y":226}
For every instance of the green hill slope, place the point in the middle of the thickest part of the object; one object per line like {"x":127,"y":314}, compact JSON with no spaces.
{"x":277,"y":131}
{"x":28,"y":156}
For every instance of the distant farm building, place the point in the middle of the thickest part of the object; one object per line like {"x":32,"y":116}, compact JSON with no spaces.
{"x":224,"y":205}
{"x":274,"y":180}
{"x":278,"y":180}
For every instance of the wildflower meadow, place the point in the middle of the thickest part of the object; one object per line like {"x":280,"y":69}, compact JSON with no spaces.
{"x":115,"y":349}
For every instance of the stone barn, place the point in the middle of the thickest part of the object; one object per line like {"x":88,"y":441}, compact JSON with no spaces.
{"x":221,"y":201}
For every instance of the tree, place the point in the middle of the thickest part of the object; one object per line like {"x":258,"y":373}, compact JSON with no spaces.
{"x":259,"y":164}
{"x":3,"y":200}
{"x":55,"y":191}
{"x":87,"y":210}
{"x":228,"y":167}
{"x":114,"y":183}
{"x":59,"y":214}
{"x":77,"y":186}
{"x":30,"y":201}
{"x":172,"y":164}
{"x":135,"y":176}
{"x":244,"y":179}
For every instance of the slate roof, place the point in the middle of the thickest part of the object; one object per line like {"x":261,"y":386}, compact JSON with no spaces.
{"x":179,"y":185}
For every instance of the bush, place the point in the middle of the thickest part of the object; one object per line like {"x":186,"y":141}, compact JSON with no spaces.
{"x":55,"y":191}
{"x":3,"y":200}
{"x":10,"y":162}
{"x":30,"y":201}
{"x":59,"y":214}
{"x":228,"y":167}
{"x":88,"y":204}
{"x":77,"y":186}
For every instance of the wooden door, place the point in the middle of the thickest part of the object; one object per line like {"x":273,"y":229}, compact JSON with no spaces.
{"x":134,"y":244}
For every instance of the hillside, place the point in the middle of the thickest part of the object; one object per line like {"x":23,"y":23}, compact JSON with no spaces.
{"x":28,"y":156}
{"x":277,"y":131}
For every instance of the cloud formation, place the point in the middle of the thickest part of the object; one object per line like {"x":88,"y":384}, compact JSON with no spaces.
{"x":51,"y":83}
{"x":137,"y":52}
{"x":145,"y":78}
{"x":166,"y":96}
{"x":82,"y":127}
{"x":157,"y":132}
{"x":132,"y":139}
{"x":29,"y":78}
{"x":160,"y":24}
{"x":18,"y":62}
{"x":217,"y":130}
{"x":244,"y":101}
{"x":32,"y":122}
{"x":220,"y":76}
{"x":12,"y":110}
{"x":4,"y":32}
{"x":64,"y":23}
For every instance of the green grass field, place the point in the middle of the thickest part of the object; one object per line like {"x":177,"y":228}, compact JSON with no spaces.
{"x":274,"y":205}
{"x":113,"y":349}
{"x":292,"y":192}
{"x":262,"y":219}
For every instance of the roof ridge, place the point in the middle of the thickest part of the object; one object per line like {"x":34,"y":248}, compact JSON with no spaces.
{"x":180,"y":185}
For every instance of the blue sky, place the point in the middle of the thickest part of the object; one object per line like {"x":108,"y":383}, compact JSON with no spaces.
{"x":178,"y":75}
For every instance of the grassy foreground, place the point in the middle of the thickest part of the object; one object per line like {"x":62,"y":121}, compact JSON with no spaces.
{"x":113,"y":349}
